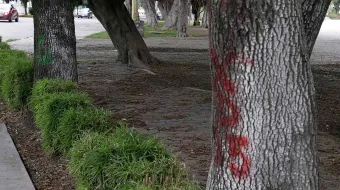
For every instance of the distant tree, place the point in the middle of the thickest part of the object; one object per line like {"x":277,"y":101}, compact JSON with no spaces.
{"x":24,"y":3}
{"x":264,"y":116}
{"x":150,"y":12}
{"x":118,"y":23}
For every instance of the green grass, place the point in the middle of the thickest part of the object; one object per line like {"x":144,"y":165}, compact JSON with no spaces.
{"x":125,"y":160}
{"x":75,"y":121}
{"x":51,"y":109}
{"x":4,"y":46}
{"x":47,"y":86}
{"x":148,"y":32}
{"x":16,"y":76}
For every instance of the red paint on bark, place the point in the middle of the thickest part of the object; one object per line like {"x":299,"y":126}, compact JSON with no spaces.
{"x":229,"y":115}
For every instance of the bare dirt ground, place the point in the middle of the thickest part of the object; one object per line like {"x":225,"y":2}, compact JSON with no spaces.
{"x":173,"y":105}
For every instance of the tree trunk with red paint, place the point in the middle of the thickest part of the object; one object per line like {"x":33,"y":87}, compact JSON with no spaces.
{"x":264,"y":115}
{"x":54,"y":40}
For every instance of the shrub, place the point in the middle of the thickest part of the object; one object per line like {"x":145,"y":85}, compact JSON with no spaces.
{"x":124,"y":160}
{"x":76,"y":120}
{"x":49,"y":111}
{"x":4,"y":46}
{"x":45,"y":86}
{"x":17,"y":83}
{"x":16,"y":77}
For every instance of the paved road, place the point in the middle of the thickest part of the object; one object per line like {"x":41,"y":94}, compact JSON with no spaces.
{"x":326,"y":50}
{"x":24,"y":28}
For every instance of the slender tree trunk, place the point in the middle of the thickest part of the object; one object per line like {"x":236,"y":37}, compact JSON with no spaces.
{"x":122,"y":30}
{"x":135,"y":13}
{"x":150,"y":12}
{"x":264,"y":119}
{"x":54,"y":40}
{"x":182,"y":28}
{"x":196,"y":11}
{"x":205,"y":20}
{"x":172,"y":18}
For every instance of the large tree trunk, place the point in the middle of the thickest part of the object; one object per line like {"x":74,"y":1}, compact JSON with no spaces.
{"x":122,"y":30}
{"x":172,"y":18}
{"x":54,"y":40}
{"x":205,"y":19}
{"x":264,"y":119}
{"x":150,"y":12}
{"x":182,"y":28}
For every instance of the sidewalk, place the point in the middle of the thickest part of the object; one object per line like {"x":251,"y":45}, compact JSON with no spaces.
{"x":13,"y":174}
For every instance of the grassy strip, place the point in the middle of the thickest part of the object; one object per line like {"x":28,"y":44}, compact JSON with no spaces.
{"x":149,"y":31}
{"x":103,"y":154}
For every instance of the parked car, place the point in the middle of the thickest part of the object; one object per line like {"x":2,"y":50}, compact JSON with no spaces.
{"x":8,"y":12}
{"x":85,"y":12}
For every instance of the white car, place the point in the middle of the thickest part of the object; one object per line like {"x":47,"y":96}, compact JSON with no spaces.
{"x":85,"y":12}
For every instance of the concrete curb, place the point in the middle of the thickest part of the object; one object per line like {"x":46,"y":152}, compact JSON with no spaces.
{"x":13,"y":174}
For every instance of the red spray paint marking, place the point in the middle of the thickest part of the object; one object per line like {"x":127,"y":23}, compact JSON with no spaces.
{"x":225,"y":90}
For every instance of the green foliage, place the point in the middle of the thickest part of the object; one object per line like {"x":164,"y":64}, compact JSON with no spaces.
{"x":75,"y":121}
{"x":46,"y":86}
{"x":4,"y":45}
{"x":16,"y":77}
{"x":125,"y":160}
{"x":49,"y":111}
{"x":17,"y":83}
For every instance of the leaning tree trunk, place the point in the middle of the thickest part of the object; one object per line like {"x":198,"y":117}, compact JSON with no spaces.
{"x":264,"y":115}
{"x":122,"y":30}
{"x":205,"y":19}
{"x":172,"y":18}
{"x":54,"y":40}
{"x":182,"y":28}
{"x":150,"y":11}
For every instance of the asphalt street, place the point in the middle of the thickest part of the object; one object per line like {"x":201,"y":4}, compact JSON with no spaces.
{"x":24,"y":28}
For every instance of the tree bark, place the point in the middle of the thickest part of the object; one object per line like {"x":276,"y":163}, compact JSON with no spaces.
{"x":150,"y":12}
{"x":122,"y":30}
{"x":54,"y":40}
{"x":182,"y":28}
{"x":264,"y":118}
{"x":172,"y":18}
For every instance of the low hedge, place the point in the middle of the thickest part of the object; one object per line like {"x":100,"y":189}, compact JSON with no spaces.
{"x":77,"y":120}
{"x":4,"y":46}
{"x":124,"y":160}
{"x":103,"y":155}
{"x":51,"y":109}
{"x":16,"y":77}
{"x":47,"y":86}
